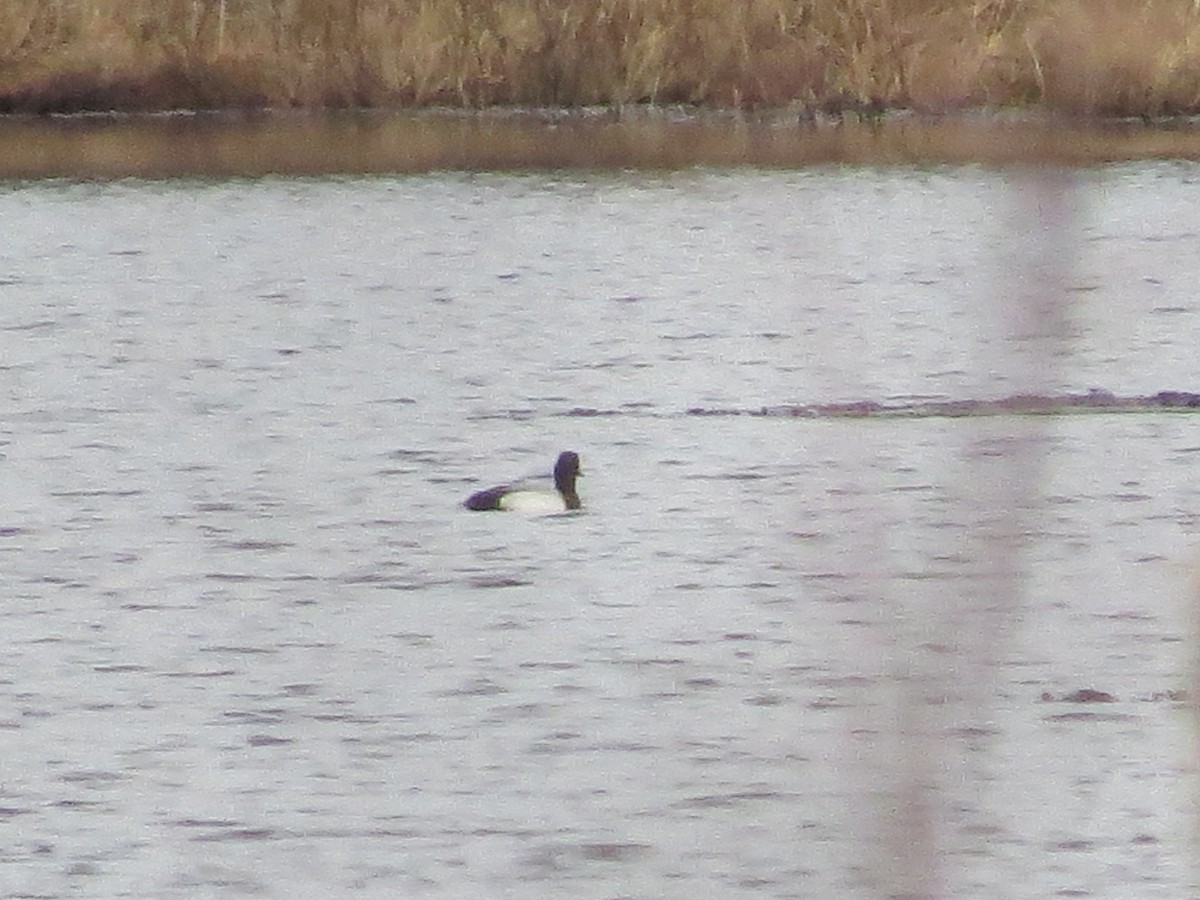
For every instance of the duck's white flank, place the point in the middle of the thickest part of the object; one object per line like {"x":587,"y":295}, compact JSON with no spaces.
{"x":535,"y":502}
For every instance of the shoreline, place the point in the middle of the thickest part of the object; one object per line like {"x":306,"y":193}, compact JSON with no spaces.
{"x":301,"y":142}
{"x":1083,"y":59}
{"x":675,"y":113}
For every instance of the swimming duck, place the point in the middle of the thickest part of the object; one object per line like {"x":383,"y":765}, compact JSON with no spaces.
{"x":530,"y":498}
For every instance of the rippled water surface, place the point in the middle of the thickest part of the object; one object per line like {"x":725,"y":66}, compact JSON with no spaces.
{"x":253,"y":645}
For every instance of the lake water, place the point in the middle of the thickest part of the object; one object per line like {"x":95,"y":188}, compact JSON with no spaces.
{"x":255,"y":647}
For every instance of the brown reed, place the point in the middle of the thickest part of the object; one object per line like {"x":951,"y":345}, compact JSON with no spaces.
{"x":1089,"y":57}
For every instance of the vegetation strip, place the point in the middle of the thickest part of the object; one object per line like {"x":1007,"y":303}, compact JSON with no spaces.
{"x":1083,"y":57}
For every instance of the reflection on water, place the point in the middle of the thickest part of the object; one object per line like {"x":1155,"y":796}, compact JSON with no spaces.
{"x":254,"y":644}
{"x":255,"y":144}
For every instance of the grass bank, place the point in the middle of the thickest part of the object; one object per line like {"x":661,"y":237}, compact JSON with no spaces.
{"x":1087,"y":57}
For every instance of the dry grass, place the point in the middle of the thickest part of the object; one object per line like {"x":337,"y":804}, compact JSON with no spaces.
{"x":1127,"y":57}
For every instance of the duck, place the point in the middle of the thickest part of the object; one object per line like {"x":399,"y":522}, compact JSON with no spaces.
{"x":522,"y":497}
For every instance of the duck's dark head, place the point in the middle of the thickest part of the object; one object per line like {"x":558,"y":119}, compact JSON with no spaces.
{"x":566,"y":470}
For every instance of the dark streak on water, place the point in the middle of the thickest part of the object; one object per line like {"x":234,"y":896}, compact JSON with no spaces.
{"x":1094,"y":401}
